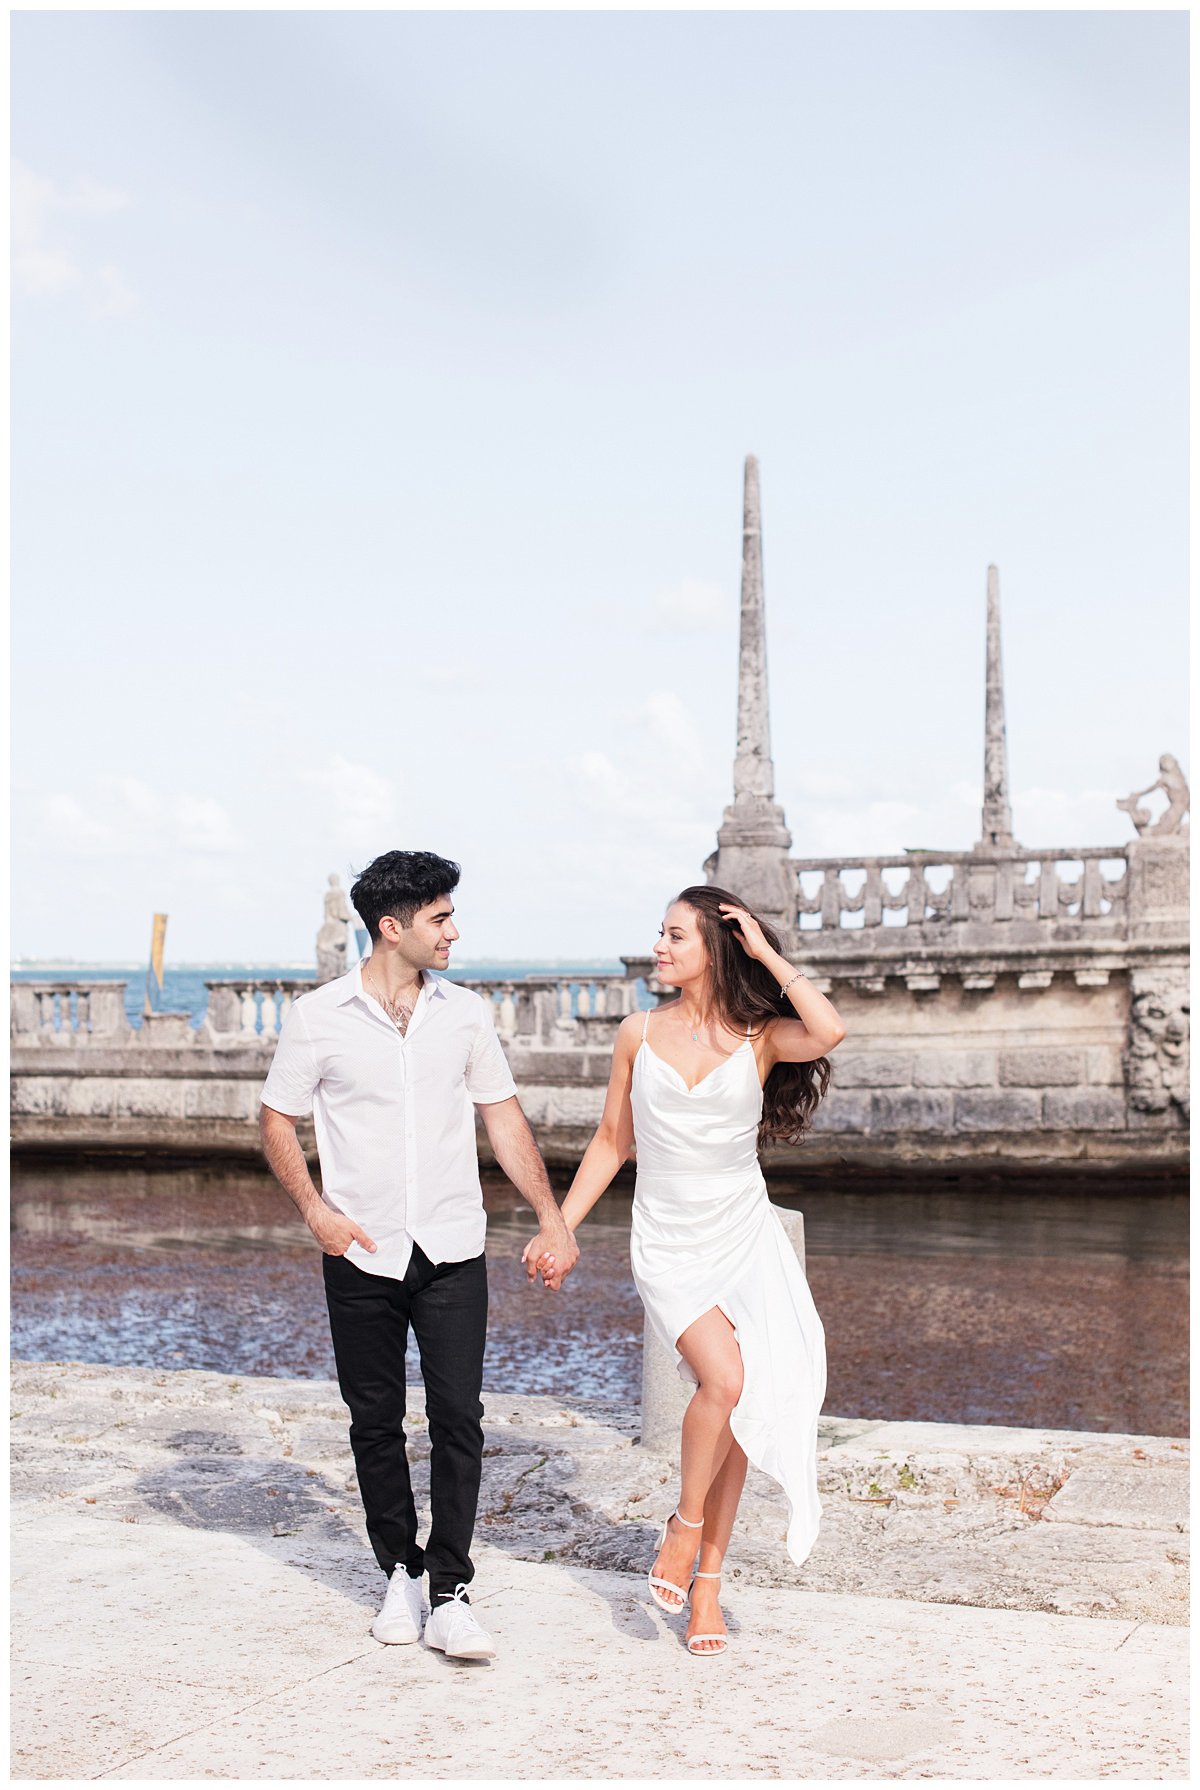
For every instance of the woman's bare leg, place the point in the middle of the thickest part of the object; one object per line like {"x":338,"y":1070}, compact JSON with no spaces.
{"x":720,"y":1510}
{"x":710,"y":1348}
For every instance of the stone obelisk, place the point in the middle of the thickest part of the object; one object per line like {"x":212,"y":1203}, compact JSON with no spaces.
{"x":751,"y":858}
{"x":997,"y":833}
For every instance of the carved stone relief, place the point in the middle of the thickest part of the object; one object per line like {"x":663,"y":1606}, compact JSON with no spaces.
{"x":1158,"y":1055}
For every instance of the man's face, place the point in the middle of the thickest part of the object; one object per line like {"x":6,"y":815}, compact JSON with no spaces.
{"x":425,"y":945}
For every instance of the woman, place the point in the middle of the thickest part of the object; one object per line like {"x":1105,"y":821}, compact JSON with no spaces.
{"x":698,"y":1084}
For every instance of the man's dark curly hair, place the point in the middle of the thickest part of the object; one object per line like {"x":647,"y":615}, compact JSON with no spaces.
{"x":400,"y":882}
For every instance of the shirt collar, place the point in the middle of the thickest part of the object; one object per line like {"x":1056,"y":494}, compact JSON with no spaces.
{"x":352,"y":983}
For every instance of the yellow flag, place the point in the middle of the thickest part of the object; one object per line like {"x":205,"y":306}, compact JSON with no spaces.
{"x":158,"y":940}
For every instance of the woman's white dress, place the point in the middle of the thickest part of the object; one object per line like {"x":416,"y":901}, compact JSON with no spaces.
{"x":704,"y":1235}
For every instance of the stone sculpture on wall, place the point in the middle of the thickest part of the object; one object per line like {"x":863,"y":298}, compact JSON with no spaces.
{"x":1158,"y":1058}
{"x":332,"y":938}
{"x":1173,"y":783}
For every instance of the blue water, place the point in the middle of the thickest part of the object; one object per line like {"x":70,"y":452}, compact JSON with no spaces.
{"x":184,"y":991}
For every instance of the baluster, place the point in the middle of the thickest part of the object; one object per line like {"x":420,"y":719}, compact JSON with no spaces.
{"x":508,"y":1012}
{"x":268,"y":1012}
{"x":831,"y":898}
{"x":1048,"y":890}
{"x":873,"y":896}
{"x":286,"y":997}
{"x":249,"y":1006}
{"x":45,"y":1002}
{"x":1070,"y":895}
{"x":1004,"y":890}
{"x":583,"y":1006}
{"x":602,"y":993}
{"x":917,"y":895}
{"x":1093,"y":888}
{"x":960,"y":901}
{"x":83,"y":1012}
{"x":564,"y":1003}
{"x":1114,"y":891}
{"x":526,"y":1006}
{"x":224,"y":1008}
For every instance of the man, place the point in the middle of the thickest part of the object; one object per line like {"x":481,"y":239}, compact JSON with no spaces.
{"x":390,"y":1059}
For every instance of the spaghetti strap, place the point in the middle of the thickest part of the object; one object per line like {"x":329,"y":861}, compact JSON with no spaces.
{"x":748,"y":1025}
{"x":645,"y":1023}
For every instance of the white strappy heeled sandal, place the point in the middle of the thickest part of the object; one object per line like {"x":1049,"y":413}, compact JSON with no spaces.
{"x":666,"y":1585}
{"x":696,"y":1651}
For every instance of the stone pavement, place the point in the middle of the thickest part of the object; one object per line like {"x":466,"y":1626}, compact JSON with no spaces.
{"x":193,"y":1598}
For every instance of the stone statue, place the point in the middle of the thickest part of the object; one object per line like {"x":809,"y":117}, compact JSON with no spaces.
{"x":1157,"y":1063}
{"x":1173,"y":783}
{"x":331,"y":940}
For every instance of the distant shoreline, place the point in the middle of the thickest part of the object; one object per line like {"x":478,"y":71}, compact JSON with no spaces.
{"x":22,"y":965}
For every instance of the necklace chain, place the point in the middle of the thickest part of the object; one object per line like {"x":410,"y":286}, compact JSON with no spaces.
{"x":396,"y":1011}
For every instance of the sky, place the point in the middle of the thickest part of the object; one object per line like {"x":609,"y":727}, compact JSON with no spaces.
{"x":381,"y":389}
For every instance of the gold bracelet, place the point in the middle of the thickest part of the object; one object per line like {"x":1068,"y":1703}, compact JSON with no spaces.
{"x":790,"y":980}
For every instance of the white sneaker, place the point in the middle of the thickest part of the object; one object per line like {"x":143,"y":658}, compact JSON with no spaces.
{"x":399,"y":1619}
{"x":453,"y":1629}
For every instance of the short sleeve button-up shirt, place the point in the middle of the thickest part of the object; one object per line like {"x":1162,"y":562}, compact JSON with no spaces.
{"x":394,"y":1114}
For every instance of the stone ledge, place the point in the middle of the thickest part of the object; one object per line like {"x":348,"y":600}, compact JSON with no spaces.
{"x":1113,"y":1496}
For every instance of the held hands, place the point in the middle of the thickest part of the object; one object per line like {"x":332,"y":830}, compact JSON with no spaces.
{"x":747,"y":931}
{"x":552,"y":1254}
{"x":335,"y":1233}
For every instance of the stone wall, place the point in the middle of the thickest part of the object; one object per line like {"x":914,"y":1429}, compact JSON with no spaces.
{"x":1001,"y":1051}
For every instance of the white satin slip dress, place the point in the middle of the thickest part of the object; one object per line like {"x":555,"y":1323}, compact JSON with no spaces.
{"x":704,"y":1234}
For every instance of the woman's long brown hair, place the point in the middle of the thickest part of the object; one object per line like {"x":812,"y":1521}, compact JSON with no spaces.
{"x":743,"y":993}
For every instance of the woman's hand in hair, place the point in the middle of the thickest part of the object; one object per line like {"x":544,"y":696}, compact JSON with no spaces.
{"x":747,"y":931}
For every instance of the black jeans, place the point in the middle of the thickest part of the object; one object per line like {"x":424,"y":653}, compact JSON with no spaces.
{"x":369,"y":1315}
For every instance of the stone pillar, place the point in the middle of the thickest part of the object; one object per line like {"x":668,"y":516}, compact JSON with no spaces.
{"x":1159,"y":884}
{"x":106,"y":1006}
{"x":665,"y":1395}
{"x":224,"y":1015}
{"x":25,"y":1011}
{"x":167,"y":1031}
{"x":997,"y":812}
{"x":753,"y":843}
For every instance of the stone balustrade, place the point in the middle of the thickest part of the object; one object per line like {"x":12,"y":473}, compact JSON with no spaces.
{"x":246,"y":1011}
{"x":1032,"y":897}
{"x":546,"y":1009}
{"x":67,"y":1012}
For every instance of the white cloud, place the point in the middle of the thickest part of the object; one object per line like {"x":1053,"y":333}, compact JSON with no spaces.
{"x":885,"y":822}
{"x":1067,"y":817}
{"x":671,"y":727}
{"x":124,"y":816}
{"x":114,"y":296}
{"x":204,"y":826}
{"x":43,"y":273}
{"x":359,"y":801}
{"x":658,"y":772}
{"x":46,"y":261}
{"x":692,"y":605}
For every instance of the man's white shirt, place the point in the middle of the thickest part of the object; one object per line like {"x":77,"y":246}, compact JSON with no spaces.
{"x":394,"y":1115}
